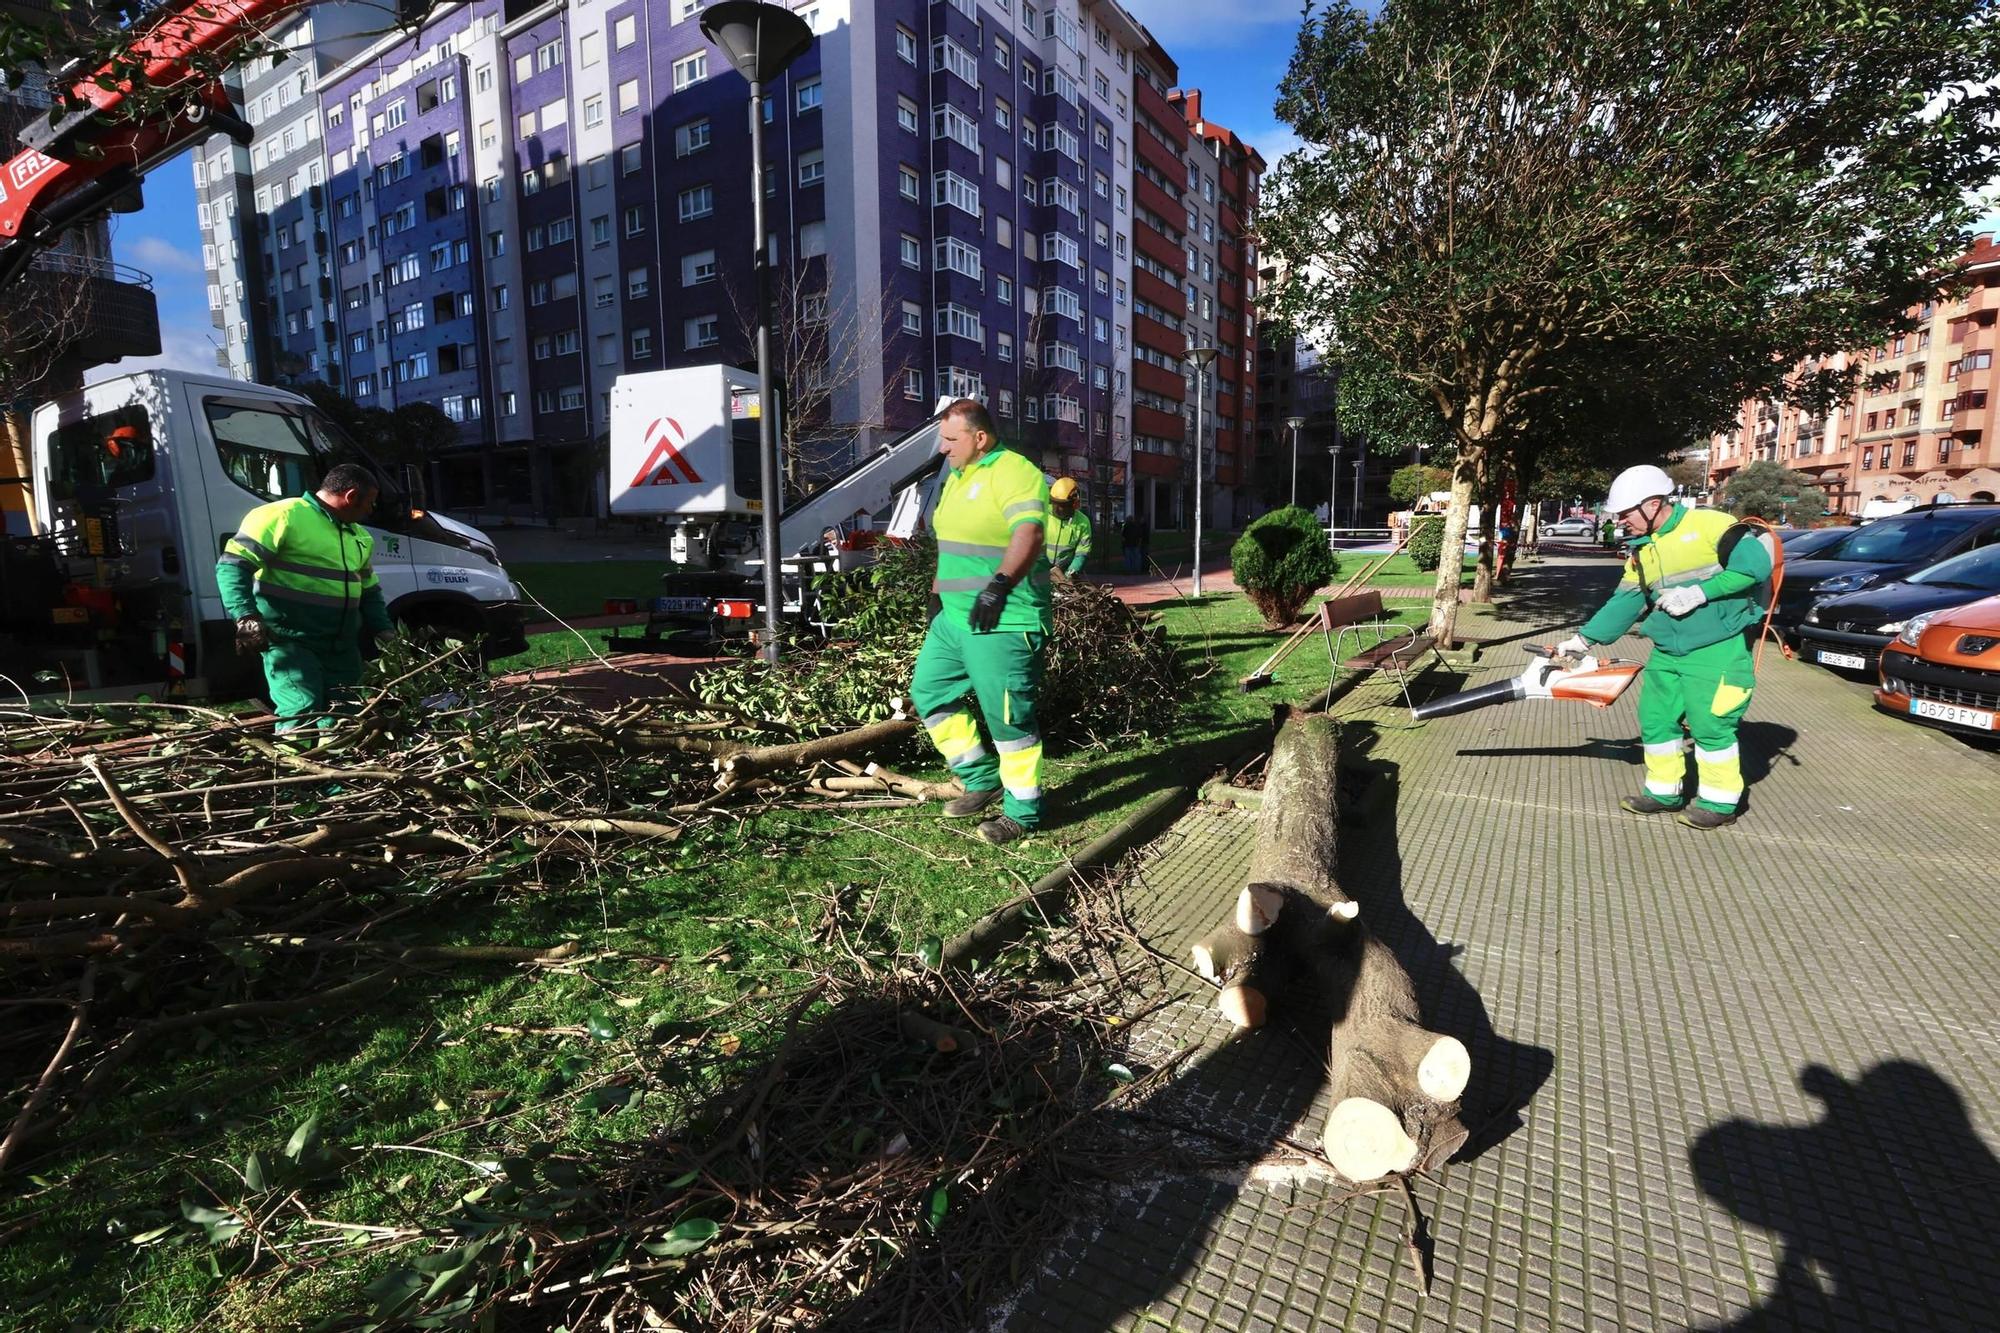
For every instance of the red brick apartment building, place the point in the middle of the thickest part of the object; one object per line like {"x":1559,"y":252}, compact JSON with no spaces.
{"x":1920,"y":426}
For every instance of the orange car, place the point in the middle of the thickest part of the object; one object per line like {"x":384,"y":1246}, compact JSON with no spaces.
{"x":1944,"y":669}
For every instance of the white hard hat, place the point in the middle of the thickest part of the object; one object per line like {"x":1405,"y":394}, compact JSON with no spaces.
{"x":1636,"y":485}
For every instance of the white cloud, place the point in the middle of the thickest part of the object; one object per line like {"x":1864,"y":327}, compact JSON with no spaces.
{"x":157,"y":254}
{"x":181,"y":348}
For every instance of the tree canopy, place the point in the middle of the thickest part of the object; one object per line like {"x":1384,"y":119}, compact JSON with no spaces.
{"x":1654,"y":205}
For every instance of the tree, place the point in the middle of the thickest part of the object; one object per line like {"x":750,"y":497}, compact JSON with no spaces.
{"x":1409,"y":484}
{"x":1764,"y":489}
{"x":1281,"y":560}
{"x":1502,"y":202}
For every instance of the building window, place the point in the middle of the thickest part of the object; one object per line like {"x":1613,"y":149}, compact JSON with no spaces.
{"x":628,"y":97}
{"x":703,"y":331}
{"x":698,"y":268}
{"x":906,"y":44}
{"x":625,"y":32}
{"x":912,"y":251}
{"x":906,"y":115}
{"x":690,"y":70}
{"x":630,"y":159}
{"x":638,"y":282}
{"x":913,"y":385}
{"x":697,"y":201}
{"x":812,"y":168}
{"x":642,"y":344}
{"x":593,"y":112}
{"x":908,"y":183}
{"x":913,"y":317}
{"x":806,"y":97}
{"x":635,"y":220}
{"x":812,"y":240}
{"x":600,"y":230}
{"x":692,"y":137}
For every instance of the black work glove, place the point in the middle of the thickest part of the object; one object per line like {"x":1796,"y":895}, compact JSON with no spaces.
{"x":937,"y":608}
{"x":986,"y":607}
{"x":251,"y":636}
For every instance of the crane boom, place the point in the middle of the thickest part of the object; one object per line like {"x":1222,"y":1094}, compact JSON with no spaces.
{"x":74,"y":165}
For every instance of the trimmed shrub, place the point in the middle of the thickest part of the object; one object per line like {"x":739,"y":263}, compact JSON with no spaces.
{"x":1281,"y":560}
{"x":1426,"y":544}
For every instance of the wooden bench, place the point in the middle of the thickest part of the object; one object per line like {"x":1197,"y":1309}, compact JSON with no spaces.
{"x":1397,"y":648}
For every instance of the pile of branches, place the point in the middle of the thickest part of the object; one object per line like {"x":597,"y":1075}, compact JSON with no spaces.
{"x":1112,"y":673}
{"x":158,"y":862}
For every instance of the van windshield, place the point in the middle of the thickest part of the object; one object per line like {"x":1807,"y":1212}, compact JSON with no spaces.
{"x":1898,"y":541}
{"x":276,"y":451}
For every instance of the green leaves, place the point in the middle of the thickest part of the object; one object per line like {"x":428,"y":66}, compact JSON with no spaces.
{"x":683,"y":1239}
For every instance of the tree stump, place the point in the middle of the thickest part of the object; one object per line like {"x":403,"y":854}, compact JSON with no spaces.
{"x":1395,"y":1083}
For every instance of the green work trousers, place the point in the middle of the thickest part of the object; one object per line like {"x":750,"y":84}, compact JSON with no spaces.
{"x":1003,"y":672}
{"x":1706,"y":692}
{"x":307,"y":676}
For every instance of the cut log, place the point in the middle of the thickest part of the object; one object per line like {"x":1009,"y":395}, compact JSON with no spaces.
{"x":746,"y":764}
{"x":1395,"y":1083}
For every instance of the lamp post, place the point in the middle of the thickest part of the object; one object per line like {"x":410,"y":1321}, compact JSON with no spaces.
{"x":1297,"y":424}
{"x":761,"y":41}
{"x":1333,"y":500}
{"x":1354,"y":502}
{"x":1202,"y":358}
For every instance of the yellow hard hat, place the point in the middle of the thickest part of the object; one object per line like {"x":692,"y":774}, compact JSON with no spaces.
{"x":1064,"y":489}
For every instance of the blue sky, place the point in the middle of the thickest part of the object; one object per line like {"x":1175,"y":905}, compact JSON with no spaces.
{"x":1235,"y":55}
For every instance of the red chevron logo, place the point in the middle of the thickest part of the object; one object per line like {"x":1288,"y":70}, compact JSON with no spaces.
{"x":668,"y":439}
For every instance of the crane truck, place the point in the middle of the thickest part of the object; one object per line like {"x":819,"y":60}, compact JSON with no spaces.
{"x":136,"y":480}
{"x":683,"y":450}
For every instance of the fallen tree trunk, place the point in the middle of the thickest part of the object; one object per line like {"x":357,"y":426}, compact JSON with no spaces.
{"x":1395,"y":1083}
{"x":743,"y":765}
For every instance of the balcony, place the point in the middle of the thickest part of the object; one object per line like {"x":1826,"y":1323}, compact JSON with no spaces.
{"x":106,"y":311}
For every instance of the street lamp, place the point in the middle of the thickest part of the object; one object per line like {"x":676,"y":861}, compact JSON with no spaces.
{"x":1297,"y":424}
{"x":1202,"y":358}
{"x":1354,"y":504}
{"x":1333,"y":501}
{"x":762,"y":41}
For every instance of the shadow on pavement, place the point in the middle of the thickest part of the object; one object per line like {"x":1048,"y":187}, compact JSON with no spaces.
{"x":1887,"y":1206}
{"x":1506,"y":1074}
{"x":1764,"y":745}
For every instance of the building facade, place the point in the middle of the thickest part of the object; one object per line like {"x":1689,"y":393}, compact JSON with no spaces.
{"x":1920,"y":425}
{"x":505,"y":212}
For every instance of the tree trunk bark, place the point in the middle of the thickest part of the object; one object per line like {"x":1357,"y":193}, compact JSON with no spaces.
{"x":1489,"y":496}
{"x":1396,"y":1084}
{"x":1451,"y":562}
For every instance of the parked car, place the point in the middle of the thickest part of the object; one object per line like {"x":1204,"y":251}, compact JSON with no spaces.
{"x":1848,"y":632}
{"x":1801,"y":543}
{"x":1943,"y":669}
{"x":1882,"y":552}
{"x":1570,"y":527}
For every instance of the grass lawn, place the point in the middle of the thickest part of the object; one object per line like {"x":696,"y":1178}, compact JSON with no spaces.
{"x":1399,"y":572}
{"x":578,"y":588}
{"x":470,"y":1065}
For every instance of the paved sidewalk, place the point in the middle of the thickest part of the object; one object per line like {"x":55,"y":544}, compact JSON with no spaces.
{"x":1759,"y":1066}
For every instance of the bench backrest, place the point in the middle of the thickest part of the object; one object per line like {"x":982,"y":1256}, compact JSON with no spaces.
{"x":1352,"y":609}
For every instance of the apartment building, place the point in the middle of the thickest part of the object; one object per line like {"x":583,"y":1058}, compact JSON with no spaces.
{"x":1920,"y":425}
{"x":505,"y":212}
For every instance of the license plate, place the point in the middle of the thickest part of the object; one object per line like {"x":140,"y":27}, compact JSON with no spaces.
{"x":1848,"y":660}
{"x":1964,"y":717}
{"x":680,"y":606}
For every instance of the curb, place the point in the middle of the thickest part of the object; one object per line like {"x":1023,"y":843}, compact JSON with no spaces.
{"x":1009,"y":921}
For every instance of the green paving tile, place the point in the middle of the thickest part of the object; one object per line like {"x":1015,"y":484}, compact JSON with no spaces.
{"x":1769,"y":1055}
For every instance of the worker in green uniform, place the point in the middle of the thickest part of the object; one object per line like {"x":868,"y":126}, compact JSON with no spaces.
{"x":1069,"y":529}
{"x":298,"y":580}
{"x":1695,"y":581}
{"x":989,"y":624}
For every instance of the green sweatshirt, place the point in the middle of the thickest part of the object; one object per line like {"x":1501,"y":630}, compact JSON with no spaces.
{"x":1705,"y":547}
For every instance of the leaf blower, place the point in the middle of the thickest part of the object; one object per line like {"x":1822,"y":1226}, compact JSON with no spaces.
{"x":1592,"y":680}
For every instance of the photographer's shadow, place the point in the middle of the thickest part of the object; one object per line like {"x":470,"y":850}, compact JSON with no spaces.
{"x":1886,"y":1207}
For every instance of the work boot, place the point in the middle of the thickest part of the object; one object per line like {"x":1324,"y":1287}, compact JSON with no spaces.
{"x":1001,"y":831}
{"x":1706,"y":820}
{"x":971,"y":803}
{"x":1645,"y":803}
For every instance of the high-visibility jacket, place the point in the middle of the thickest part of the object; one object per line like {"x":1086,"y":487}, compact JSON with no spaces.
{"x":1699,"y":546}
{"x":307,"y":574}
{"x":977,"y":513}
{"x":1069,"y":541}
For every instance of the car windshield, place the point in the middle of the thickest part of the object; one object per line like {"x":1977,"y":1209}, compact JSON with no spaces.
{"x":1901,"y":540}
{"x":1817,"y":544}
{"x":1978,"y":569}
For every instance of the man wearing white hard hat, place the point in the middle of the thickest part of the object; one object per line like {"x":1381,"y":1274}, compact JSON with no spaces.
{"x":1693,"y":585}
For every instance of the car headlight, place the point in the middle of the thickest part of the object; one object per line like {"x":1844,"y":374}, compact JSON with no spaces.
{"x":1913,"y":628}
{"x":1893,"y":627}
{"x":1841,"y":583}
{"x":1812,"y":616}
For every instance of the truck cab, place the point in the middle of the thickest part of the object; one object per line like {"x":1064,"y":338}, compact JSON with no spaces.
{"x":139,"y":480}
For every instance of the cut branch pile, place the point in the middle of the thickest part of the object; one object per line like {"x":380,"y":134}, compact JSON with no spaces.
{"x":173,"y":843}
{"x":1395,"y":1083}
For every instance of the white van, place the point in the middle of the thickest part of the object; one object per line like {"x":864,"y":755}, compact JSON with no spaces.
{"x":140,"y":479}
